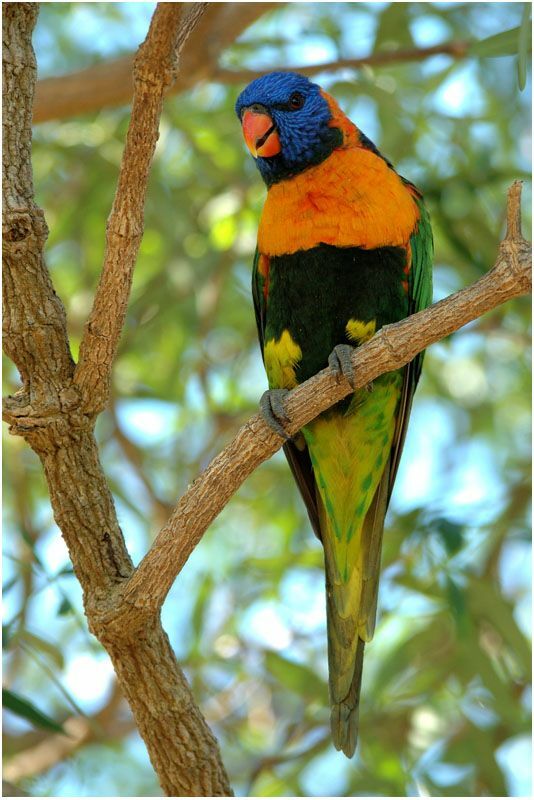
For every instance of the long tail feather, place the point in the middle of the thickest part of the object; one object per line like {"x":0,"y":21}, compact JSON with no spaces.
{"x":344,"y":715}
{"x":351,"y":616}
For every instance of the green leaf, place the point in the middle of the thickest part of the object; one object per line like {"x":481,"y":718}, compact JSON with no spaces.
{"x":66,"y":570}
{"x":65,"y":607}
{"x":500,"y":44}
{"x":201,"y":607}
{"x":9,"y":584}
{"x":23,"y":708}
{"x":485,"y":602}
{"x":525,"y":40}
{"x":43,"y":646}
{"x":6,"y":636}
{"x":296,"y":677}
{"x":457,"y":604}
{"x":451,"y":533}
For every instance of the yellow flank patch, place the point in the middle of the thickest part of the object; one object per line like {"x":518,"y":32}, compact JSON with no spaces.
{"x":360,"y":332}
{"x":353,"y":199}
{"x":281,"y":358}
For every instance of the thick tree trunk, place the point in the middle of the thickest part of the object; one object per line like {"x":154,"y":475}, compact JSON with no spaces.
{"x":49,"y":413}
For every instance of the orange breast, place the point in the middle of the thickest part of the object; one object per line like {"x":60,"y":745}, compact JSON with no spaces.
{"x":353,"y":199}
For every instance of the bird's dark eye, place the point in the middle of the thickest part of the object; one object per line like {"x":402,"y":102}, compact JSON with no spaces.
{"x":296,"y":101}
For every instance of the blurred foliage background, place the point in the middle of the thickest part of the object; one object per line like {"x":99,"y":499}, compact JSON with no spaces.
{"x":446,"y":697}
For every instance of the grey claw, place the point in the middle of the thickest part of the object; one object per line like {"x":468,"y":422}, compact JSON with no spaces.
{"x":340,"y":362}
{"x":274,"y":413}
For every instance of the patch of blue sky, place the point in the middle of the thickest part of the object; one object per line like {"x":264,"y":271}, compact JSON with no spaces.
{"x":302,"y":597}
{"x":359,"y":29}
{"x":458,"y":96}
{"x":263,"y":623}
{"x":210,"y":561}
{"x":446,"y":281}
{"x":437,"y":152}
{"x":476,"y":705}
{"x":77,"y":776}
{"x":476,"y":486}
{"x":515,"y":575}
{"x":515,"y":568}
{"x":435,"y":65}
{"x":253,"y":381}
{"x":86,"y":27}
{"x":428,"y":30}
{"x":313,"y":50}
{"x":514,"y":757}
{"x":491,"y":18}
{"x":526,"y":698}
{"x":305,"y":44}
{"x":12,"y":599}
{"x":89,"y":677}
{"x":52,"y":550}
{"x":419,"y":479}
{"x":484,"y":132}
{"x":147,"y":421}
{"x":391,"y":630}
{"x":177,"y":612}
{"x":132,"y":524}
{"x":449,"y":774}
{"x":523,"y":611}
{"x":431,"y":755}
{"x":326,"y":776}
{"x":364,"y":112}
{"x":122,"y":472}
{"x":468,"y":343}
{"x":406,"y":603}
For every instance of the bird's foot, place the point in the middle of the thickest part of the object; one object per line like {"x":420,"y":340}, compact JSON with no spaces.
{"x":273,"y":411}
{"x":340,"y":362}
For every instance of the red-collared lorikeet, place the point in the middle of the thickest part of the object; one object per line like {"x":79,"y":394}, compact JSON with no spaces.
{"x":344,"y":247}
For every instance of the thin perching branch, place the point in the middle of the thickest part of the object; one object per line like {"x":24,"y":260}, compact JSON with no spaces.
{"x":391,"y":348}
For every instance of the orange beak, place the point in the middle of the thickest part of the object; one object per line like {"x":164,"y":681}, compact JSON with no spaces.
{"x":260,"y":134}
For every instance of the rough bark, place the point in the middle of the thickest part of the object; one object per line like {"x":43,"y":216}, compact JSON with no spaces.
{"x":49,"y":413}
{"x":154,"y":71}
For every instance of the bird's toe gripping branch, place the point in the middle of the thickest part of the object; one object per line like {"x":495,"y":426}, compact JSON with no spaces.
{"x":340,"y":362}
{"x":274,"y":413}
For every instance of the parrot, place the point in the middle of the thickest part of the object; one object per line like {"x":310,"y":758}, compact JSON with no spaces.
{"x":344,"y":247}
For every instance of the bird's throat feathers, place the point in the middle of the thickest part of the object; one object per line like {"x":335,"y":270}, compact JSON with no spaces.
{"x":340,"y":202}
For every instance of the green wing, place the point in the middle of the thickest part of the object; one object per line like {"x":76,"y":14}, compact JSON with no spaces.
{"x":420,"y":289}
{"x":259,"y":299}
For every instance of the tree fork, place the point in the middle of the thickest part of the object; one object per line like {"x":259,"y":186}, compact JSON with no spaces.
{"x":49,"y":411}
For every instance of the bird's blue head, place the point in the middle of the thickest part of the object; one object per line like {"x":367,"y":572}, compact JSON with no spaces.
{"x":287,"y":124}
